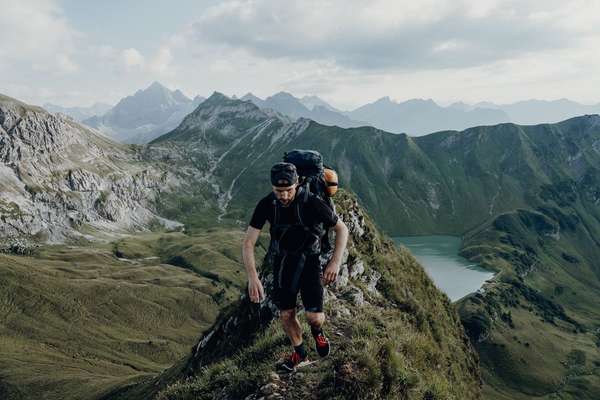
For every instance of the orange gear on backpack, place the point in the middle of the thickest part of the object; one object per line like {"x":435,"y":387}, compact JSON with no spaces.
{"x":331,"y":178}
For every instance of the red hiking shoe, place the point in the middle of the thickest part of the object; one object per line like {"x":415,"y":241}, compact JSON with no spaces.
{"x":294,"y":361}
{"x":322,"y":344}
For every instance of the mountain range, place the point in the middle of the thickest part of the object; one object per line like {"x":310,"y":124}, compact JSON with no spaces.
{"x":309,"y":107}
{"x":79,"y":113}
{"x":446,"y":182}
{"x":145,"y":115}
{"x":534,"y":111}
{"x":156,"y":110}
{"x":418,"y":117}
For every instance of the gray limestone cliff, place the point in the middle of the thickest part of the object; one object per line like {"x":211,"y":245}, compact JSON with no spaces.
{"x":58,"y":179}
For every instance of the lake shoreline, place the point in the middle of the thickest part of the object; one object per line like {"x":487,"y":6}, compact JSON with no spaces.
{"x":439,"y":254}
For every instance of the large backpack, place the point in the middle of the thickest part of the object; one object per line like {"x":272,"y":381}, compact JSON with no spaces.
{"x":312,"y":171}
{"x":310,"y":167}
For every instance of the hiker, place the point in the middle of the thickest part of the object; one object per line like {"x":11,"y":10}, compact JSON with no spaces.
{"x":298,"y":219}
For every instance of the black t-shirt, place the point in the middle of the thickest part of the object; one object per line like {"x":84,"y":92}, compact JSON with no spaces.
{"x":313,"y":212}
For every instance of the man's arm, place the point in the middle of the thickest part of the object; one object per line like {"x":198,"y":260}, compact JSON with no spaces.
{"x":341,"y":239}
{"x":255,"y":288}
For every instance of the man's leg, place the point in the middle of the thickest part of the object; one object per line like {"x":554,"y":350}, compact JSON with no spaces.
{"x":291,"y":326}
{"x":315,"y":320}
{"x":311,"y":290}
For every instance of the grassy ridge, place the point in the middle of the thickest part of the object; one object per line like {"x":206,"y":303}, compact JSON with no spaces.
{"x":77,"y":321}
{"x":404,"y":341}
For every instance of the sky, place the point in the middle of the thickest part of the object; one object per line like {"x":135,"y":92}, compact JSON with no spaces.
{"x":75,"y":53}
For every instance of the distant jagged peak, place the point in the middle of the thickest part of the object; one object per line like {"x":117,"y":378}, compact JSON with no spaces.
{"x":417,"y":101}
{"x":250,"y":96}
{"x":461,"y":106}
{"x":286,"y":103}
{"x":220,"y":110}
{"x":156,"y":93}
{"x":156,"y":85}
{"x":198,"y":99}
{"x":283,"y":95}
{"x":254,"y":99}
{"x":385,"y":99}
{"x":178,"y":94}
{"x":217,"y":98}
{"x":218,"y":102}
{"x":313,"y":102}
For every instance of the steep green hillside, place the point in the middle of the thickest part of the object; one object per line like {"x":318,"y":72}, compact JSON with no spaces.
{"x":536,"y":326}
{"x":394,"y":336}
{"x":77,"y":321}
{"x":446,"y":182}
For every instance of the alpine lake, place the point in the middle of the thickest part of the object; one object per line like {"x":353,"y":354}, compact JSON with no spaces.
{"x":451,"y":273}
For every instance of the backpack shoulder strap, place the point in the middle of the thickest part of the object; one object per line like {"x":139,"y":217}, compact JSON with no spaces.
{"x":275,"y":212}
{"x":306,"y":190}
{"x":298,"y":216}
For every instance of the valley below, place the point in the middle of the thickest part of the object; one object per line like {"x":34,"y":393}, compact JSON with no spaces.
{"x":80,"y":320}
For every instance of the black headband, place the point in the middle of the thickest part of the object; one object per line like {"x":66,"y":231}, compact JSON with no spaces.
{"x":284,"y":174}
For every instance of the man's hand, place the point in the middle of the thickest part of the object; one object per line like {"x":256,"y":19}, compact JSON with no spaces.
{"x":255,"y":290}
{"x":255,"y":287}
{"x":331,"y":272}
{"x":333,"y":267}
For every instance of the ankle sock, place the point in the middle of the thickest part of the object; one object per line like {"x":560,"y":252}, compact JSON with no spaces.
{"x":316,"y":331}
{"x":300,"y":350}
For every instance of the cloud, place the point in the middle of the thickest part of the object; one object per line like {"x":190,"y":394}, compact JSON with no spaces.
{"x":349,"y":52}
{"x":393,"y":34}
{"x":161,"y":61}
{"x":132,"y":58}
{"x":36,"y":34}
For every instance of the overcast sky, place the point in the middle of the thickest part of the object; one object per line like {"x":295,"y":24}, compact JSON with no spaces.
{"x":74,"y":52}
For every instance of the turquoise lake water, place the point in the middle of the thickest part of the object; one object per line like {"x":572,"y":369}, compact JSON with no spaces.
{"x":453,"y":274}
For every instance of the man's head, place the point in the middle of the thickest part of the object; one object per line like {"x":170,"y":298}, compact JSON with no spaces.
{"x":284,"y":179}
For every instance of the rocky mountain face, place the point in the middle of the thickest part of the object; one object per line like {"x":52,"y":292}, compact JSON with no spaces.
{"x":145,"y":115}
{"x":419,"y":117}
{"x":394,"y":334}
{"x":315,"y":109}
{"x":59,"y":179}
{"x":79,"y":113}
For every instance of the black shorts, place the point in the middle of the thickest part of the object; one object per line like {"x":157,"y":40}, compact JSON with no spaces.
{"x":297,"y":273}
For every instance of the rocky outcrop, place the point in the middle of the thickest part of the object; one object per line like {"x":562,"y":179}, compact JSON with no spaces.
{"x":58,"y":179}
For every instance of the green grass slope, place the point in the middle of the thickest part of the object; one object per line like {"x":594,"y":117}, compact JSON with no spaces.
{"x":445,"y":182}
{"x":536,"y":325}
{"x":78,"y":321}
{"x":394,"y":336}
